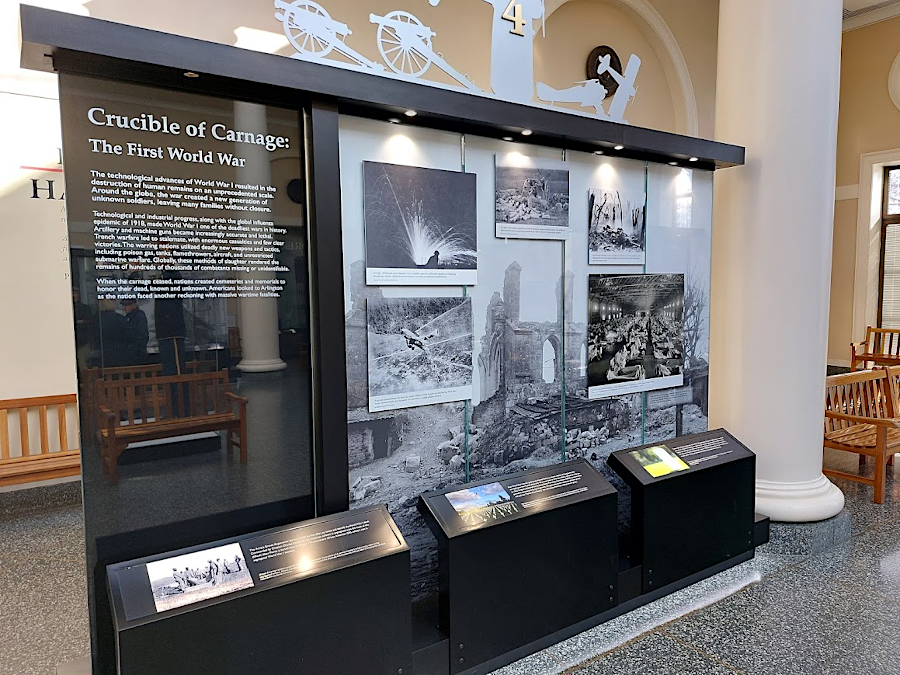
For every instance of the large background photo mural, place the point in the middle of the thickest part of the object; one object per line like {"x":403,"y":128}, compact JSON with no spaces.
{"x":514,"y":348}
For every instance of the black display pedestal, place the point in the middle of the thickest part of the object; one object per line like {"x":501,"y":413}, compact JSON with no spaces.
{"x":515,"y":571}
{"x":329,"y":595}
{"x":694,"y":518}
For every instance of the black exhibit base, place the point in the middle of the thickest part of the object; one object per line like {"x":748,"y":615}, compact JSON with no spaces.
{"x":522,"y":556}
{"x":541,"y":549}
{"x":329,"y":595}
{"x":431,"y":647}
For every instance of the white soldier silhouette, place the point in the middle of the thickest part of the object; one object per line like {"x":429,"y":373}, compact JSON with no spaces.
{"x":512,"y":54}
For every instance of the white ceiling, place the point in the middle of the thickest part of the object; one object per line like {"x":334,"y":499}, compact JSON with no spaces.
{"x":855,"y":5}
{"x":858,"y":13}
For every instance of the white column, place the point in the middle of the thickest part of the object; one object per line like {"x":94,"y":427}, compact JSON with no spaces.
{"x":777,"y":95}
{"x":260,"y":351}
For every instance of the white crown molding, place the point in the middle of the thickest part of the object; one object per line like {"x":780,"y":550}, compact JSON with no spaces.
{"x":868,"y":18}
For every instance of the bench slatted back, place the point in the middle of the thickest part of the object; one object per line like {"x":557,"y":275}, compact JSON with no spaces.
{"x":864,"y":393}
{"x":147,"y":399}
{"x":20,"y":407}
{"x":883,"y":341}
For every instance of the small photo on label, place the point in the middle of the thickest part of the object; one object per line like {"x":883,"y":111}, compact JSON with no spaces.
{"x":659,"y":460}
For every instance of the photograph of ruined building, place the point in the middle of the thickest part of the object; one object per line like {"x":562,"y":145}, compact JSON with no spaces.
{"x":529,"y":405}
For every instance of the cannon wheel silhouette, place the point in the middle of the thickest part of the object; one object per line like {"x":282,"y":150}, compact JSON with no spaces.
{"x":404,"y":43}
{"x":300,"y":36}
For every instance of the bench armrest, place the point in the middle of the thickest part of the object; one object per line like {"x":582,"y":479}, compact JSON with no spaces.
{"x":242,"y":402}
{"x":857,"y":419}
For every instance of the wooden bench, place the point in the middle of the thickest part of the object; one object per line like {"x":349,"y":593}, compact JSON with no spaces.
{"x":152,"y":408}
{"x":881,"y":348}
{"x":90,"y":377}
{"x":860,"y":408}
{"x":48,"y":463}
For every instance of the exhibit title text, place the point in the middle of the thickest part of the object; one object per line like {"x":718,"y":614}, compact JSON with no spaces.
{"x":163,"y":125}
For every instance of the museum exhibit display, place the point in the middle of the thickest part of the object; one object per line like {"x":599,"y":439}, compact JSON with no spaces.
{"x":691,"y":504}
{"x":281,"y":600}
{"x":330,"y":282}
{"x":537,"y":547}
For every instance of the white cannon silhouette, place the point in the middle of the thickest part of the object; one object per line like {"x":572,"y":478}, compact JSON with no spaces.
{"x":314,"y":34}
{"x":405,"y":46}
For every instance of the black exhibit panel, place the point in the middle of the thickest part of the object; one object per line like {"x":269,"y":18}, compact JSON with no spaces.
{"x":522,"y":557}
{"x":692,"y":504}
{"x":329,"y":595}
{"x":190,"y":284}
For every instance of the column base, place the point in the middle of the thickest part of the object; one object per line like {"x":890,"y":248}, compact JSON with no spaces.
{"x":808,"y":538}
{"x":261,"y":366}
{"x":802,"y":502}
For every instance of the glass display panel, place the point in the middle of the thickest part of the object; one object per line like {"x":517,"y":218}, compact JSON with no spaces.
{"x":408,"y":345}
{"x":548,"y":221}
{"x":191,"y":306}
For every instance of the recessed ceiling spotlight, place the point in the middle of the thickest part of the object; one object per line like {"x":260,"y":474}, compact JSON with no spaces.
{"x":410,"y":113}
{"x":526,"y":132}
{"x":191,"y":73}
{"x":619,"y":147}
{"x":673,"y":163}
{"x":394,"y":120}
{"x":598,"y":152}
{"x":692,"y":159}
{"x":507,"y":138}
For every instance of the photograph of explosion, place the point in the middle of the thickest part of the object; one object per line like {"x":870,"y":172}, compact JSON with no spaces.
{"x":531,"y":202}
{"x":192,"y":577}
{"x":616,"y":231}
{"x":420,"y":226}
{"x":635,"y":333}
{"x":482,"y":504}
{"x":420,"y":351}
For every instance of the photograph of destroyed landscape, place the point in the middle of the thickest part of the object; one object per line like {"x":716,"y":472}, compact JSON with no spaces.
{"x":419,"y":223}
{"x":531,"y":202}
{"x":420,"y":351}
{"x":482,"y":504}
{"x":529,"y":363}
{"x":616,"y":232}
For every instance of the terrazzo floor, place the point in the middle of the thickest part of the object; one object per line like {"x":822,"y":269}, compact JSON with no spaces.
{"x":836,"y":612}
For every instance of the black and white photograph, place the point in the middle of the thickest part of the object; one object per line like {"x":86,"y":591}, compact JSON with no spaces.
{"x":193,"y":577}
{"x":635,"y":333}
{"x":420,"y":351}
{"x":531,"y":202}
{"x":616,"y":230}
{"x":420,"y":226}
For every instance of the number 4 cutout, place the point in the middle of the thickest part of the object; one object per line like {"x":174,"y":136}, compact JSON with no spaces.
{"x":513,"y":12}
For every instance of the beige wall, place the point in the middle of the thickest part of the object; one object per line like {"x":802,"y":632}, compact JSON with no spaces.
{"x":36,"y":343}
{"x":463,"y":36}
{"x":868,"y":122}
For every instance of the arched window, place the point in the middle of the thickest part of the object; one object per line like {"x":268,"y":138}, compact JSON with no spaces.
{"x":548,"y":371}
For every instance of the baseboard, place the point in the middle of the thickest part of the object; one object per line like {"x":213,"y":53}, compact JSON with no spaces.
{"x":840,"y":363}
